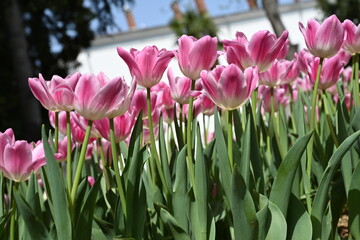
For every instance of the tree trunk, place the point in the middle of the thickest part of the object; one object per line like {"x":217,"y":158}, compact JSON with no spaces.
{"x":272,"y":13}
{"x":22,"y":70}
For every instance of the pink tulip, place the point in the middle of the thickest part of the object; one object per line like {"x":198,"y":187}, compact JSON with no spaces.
{"x":78,"y":126}
{"x":291,"y":72}
{"x":91,"y":181}
{"x":62,"y":121}
{"x":62,"y":151}
{"x":17,"y":158}
{"x":179,"y":87}
{"x":324,"y":40}
{"x":122,"y":127}
{"x":262,"y":49}
{"x":97,"y":97}
{"x":163,"y":98}
{"x":280,"y":72}
{"x":208,"y":106}
{"x":231,"y":88}
{"x":352,"y":37}
{"x":197,"y":108}
{"x":148,"y":65}
{"x":330,"y":72}
{"x":279,"y":98}
{"x":56,"y":94}
{"x":303,"y":58}
{"x":139,"y":102}
{"x":195,"y":55}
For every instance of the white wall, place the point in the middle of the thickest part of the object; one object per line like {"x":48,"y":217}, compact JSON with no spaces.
{"x":104,"y":57}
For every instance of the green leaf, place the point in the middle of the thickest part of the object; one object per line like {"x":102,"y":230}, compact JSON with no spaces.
{"x":298,"y":220}
{"x":321,"y":197}
{"x":180,"y":198}
{"x":201,"y":200}
{"x":171,"y":223}
{"x":243,"y":209}
{"x":244,"y":164}
{"x":163,"y":155}
{"x":132,"y":187}
{"x":179,"y":134}
{"x":223,"y":158}
{"x":278,"y":225}
{"x":281,"y":188}
{"x":136,"y":132}
{"x":84,"y":224}
{"x":34,"y":226}
{"x":57,"y":191}
{"x":353,"y":203}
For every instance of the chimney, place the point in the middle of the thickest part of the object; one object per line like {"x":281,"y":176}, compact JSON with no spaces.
{"x":130,"y":19}
{"x":252,"y":4}
{"x":176,"y":9}
{"x":201,"y":6}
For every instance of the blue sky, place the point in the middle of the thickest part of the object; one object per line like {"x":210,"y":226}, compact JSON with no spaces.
{"x":151,"y":13}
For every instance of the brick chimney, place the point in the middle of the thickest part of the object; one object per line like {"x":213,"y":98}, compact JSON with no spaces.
{"x":252,"y":4}
{"x":129,"y":18}
{"x":176,"y":9}
{"x":201,"y":6}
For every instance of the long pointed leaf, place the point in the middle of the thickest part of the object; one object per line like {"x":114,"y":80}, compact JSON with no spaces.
{"x":59,"y":199}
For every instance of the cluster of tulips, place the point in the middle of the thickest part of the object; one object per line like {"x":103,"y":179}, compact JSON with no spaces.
{"x":243,"y":180}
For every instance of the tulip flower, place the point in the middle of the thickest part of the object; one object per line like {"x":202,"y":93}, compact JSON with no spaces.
{"x":352,"y":37}
{"x":261,"y":51}
{"x":278,"y":94}
{"x":230,"y":89}
{"x":330,"y":72}
{"x":303,"y":58}
{"x":97,"y":97}
{"x":56,"y":94}
{"x":138,"y":103}
{"x":61,"y":121}
{"x":122,"y":127}
{"x":323,"y":40}
{"x":195,"y":55}
{"x":163,"y":98}
{"x":148,"y":65}
{"x":18,"y":159}
{"x":179,"y":87}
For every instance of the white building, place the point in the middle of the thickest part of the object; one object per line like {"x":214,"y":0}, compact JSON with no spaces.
{"x":102,"y":55}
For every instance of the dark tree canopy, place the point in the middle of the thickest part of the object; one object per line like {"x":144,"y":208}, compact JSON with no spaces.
{"x":53,"y":34}
{"x":348,"y":9}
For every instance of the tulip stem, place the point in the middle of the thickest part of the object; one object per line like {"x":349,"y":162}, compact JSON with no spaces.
{"x":276,"y":124}
{"x":313,"y":126}
{"x":116,"y":167}
{"x":13,"y":214}
{"x":230,"y":138}
{"x":189,"y":139}
{"x":154,"y":157}
{"x":81,"y":162}
{"x":68,"y":154}
{"x":205,"y":129}
{"x":56,"y":131}
{"x":332,"y":131}
{"x":356,"y":80}
{"x":105,"y":164}
{"x":181,"y":122}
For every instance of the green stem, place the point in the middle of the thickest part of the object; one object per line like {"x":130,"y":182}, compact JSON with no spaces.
{"x":356,"y":81}
{"x":118,"y":150}
{"x":230,"y":138}
{"x":154,"y":155}
{"x":13,"y":214}
{"x":56,"y":131}
{"x":189,"y":139}
{"x":116,"y":167}
{"x":205,"y":130}
{"x":332,"y":131}
{"x":313,"y":126}
{"x":181,"y":122}
{"x":105,"y":164}
{"x":276,"y":124}
{"x":68,"y":154}
{"x":81,"y":162}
